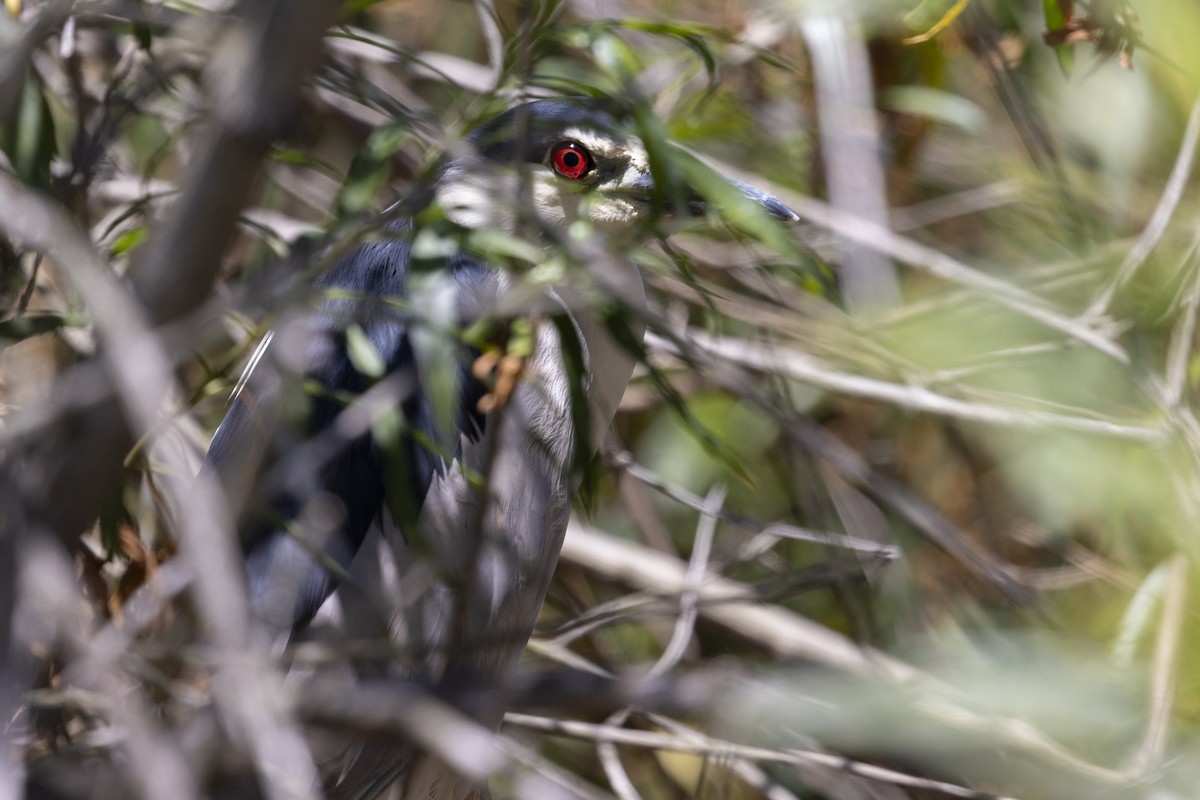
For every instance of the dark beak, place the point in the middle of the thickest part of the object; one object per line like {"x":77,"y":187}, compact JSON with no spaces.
{"x":697,"y":204}
{"x":771,"y":204}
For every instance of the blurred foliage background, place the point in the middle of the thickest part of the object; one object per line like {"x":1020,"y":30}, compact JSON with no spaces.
{"x":917,"y":517}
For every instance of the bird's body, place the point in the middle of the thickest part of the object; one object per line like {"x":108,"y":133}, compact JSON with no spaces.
{"x":437,"y":528}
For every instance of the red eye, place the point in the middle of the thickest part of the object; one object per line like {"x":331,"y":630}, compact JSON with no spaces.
{"x":570,"y":160}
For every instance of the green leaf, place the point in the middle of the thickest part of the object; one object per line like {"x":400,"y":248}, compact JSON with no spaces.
{"x":1066,"y":59}
{"x":693,"y":36}
{"x":616,"y":57}
{"x":28,"y":135}
{"x":301,"y":158}
{"x":934,"y":104}
{"x":128,"y":241}
{"x":944,"y":22}
{"x":371,"y":169}
{"x":1056,"y":20}
{"x":664,"y":165}
{"x":574,"y":362}
{"x":436,"y":348}
{"x":19,"y":328}
{"x":144,"y":35}
{"x":362,"y":352}
{"x":625,"y":332}
{"x":1138,"y":618}
{"x":354,"y":7}
{"x":489,"y":241}
{"x":1053,"y":13}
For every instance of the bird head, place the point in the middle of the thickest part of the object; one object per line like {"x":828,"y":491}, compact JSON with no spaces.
{"x":581,"y":160}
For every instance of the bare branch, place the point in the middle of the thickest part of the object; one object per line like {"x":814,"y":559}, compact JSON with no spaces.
{"x":703,"y":745}
{"x":794,"y":364}
{"x":1157,"y":225}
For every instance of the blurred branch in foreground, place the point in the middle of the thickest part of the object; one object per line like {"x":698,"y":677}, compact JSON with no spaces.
{"x":922,"y":527}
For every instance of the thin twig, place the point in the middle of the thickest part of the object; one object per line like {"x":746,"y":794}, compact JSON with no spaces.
{"x":685,"y":625}
{"x":746,"y":770}
{"x":624,"y":461}
{"x":1183,"y":334}
{"x":941,"y":265}
{"x":795,"y":364}
{"x":486,"y":11}
{"x":1164,"y":667}
{"x":788,"y":635}
{"x":724,"y":602}
{"x":610,"y":758}
{"x":26,"y":295}
{"x":143,"y":376}
{"x":1157,"y":225}
{"x":154,"y":764}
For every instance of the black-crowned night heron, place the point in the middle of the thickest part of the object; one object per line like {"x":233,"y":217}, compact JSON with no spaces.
{"x":440,"y":526}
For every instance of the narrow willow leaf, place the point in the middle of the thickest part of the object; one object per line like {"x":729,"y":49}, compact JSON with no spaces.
{"x":362,"y":352}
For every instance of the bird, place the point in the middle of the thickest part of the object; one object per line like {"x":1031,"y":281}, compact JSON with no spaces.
{"x":451,"y":400}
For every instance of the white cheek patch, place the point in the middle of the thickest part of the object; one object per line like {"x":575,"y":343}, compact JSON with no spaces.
{"x":613,"y":211}
{"x":555,"y":203}
{"x":560,"y":203}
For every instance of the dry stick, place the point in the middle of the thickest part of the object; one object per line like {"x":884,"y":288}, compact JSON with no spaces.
{"x":851,"y":150}
{"x":934,"y":262}
{"x":681,"y":636}
{"x":256,"y":82}
{"x":856,"y":470}
{"x":1164,"y":665}
{"x":258,"y":87}
{"x":486,"y":11}
{"x":723,"y":601}
{"x":601,"y":615}
{"x":795,"y":364}
{"x":409,"y":711}
{"x":921,"y":515}
{"x":747,"y":770}
{"x":648,"y":604}
{"x":16,"y":55}
{"x":610,"y":759}
{"x":157,"y":767}
{"x":1157,"y":226}
{"x":849,"y":463}
{"x":788,"y":635}
{"x":1011,"y":581}
{"x":550,"y":772}
{"x":995,"y":359}
{"x":1067,"y":274}
{"x":624,"y":461}
{"x":1180,"y":348}
{"x":142,"y":374}
{"x":957,"y":204}
{"x":685,"y":625}
{"x":699,"y":744}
